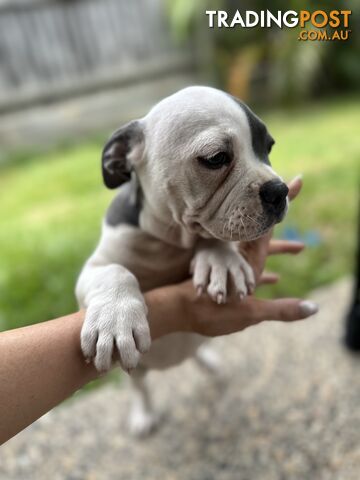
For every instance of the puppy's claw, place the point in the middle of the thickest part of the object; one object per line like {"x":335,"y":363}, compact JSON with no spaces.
{"x":199,"y":290}
{"x":220,"y":298}
{"x":212,"y":268}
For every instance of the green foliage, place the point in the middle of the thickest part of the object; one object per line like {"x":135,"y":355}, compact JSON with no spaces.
{"x":51,"y":208}
{"x":290,"y":70}
{"x":322,"y":144}
{"x":50,"y":213}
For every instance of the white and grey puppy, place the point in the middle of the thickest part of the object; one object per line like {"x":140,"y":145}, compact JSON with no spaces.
{"x":196,"y":179}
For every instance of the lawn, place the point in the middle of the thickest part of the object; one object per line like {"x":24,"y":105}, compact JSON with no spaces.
{"x":51,"y":207}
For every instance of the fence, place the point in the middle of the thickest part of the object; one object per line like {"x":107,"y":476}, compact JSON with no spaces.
{"x":51,"y":49}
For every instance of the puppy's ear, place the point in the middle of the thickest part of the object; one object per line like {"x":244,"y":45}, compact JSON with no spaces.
{"x":119,"y":152}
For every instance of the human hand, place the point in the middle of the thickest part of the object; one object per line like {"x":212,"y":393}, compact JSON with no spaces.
{"x":207,"y":318}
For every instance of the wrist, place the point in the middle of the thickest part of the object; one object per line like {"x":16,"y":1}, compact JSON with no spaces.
{"x":169,"y":310}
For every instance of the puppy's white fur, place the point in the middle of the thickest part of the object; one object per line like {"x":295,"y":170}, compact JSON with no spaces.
{"x":188,"y":213}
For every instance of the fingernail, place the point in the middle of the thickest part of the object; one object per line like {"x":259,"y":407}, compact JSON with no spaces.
{"x":308,"y":308}
{"x":199,"y":290}
{"x":298,"y":177}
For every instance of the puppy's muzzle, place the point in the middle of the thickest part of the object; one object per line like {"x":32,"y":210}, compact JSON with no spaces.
{"x":273,"y":198}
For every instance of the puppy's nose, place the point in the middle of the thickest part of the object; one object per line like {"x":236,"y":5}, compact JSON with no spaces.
{"x":273,"y":195}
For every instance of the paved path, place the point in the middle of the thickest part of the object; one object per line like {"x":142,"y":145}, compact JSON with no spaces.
{"x":287,"y":409}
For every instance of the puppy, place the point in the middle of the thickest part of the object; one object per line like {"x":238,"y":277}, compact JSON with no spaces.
{"x":195,"y":179}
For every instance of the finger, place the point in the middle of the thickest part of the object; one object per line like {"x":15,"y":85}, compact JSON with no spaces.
{"x":268,"y":278}
{"x":295,"y":185}
{"x":285,"y":246}
{"x":283,"y":309}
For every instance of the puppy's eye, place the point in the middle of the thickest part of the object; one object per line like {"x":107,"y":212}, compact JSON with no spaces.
{"x":217,"y":161}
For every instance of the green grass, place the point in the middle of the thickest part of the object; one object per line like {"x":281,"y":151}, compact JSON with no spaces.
{"x":321,"y":143}
{"x":51,"y":208}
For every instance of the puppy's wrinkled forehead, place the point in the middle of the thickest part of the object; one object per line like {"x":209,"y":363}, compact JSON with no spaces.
{"x":202,"y":117}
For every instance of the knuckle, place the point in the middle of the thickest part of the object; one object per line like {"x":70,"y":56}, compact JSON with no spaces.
{"x":283,"y":313}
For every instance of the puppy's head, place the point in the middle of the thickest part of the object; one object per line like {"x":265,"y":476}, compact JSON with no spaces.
{"x":202,"y":156}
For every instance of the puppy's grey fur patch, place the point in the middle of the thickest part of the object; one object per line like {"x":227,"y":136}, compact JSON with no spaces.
{"x":261,"y":140}
{"x":126,"y":206}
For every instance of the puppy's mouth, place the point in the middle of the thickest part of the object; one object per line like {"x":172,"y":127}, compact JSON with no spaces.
{"x":246,"y":228}
{"x":239,"y":225}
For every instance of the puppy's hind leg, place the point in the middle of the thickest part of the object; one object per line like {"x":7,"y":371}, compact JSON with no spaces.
{"x":209,"y":360}
{"x":143,"y":419}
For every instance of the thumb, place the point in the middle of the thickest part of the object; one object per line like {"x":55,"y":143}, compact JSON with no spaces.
{"x":283,"y":309}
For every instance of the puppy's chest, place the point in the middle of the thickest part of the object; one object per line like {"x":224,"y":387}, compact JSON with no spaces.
{"x":153,"y":262}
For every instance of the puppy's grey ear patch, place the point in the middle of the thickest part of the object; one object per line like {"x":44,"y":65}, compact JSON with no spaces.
{"x":116,"y":165}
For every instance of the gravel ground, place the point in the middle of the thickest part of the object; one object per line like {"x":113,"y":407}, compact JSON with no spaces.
{"x":287,"y":408}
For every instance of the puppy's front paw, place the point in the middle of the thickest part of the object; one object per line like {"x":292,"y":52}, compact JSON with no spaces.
{"x":115,"y":323}
{"x":213,"y":267}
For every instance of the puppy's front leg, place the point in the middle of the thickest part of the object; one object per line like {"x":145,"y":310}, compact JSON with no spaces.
{"x":218,"y":263}
{"x":116,"y":315}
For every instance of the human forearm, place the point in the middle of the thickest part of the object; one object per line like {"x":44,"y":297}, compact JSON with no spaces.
{"x":42,"y":364}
